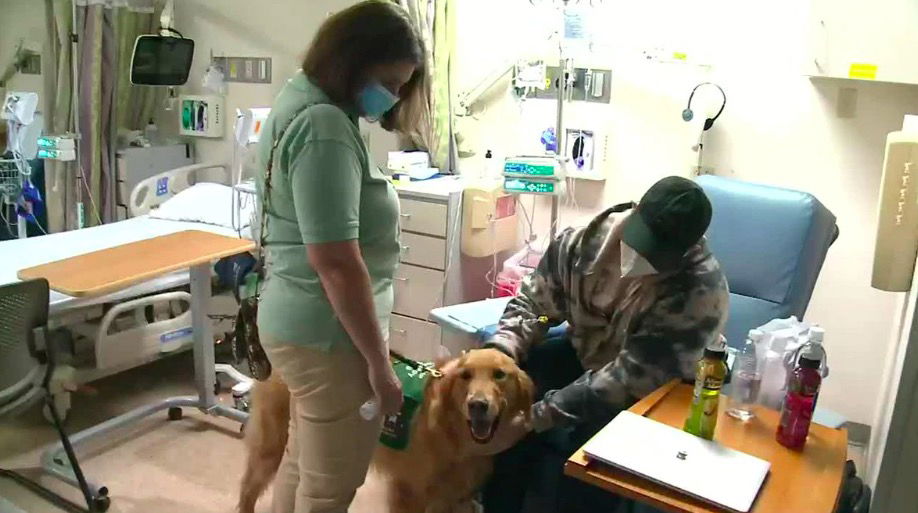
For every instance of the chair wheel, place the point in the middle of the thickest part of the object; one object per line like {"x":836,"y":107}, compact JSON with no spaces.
{"x":175,"y":413}
{"x":101,"y":504}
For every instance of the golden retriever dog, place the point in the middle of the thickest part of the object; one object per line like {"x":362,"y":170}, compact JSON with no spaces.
{"x":444,"y":464}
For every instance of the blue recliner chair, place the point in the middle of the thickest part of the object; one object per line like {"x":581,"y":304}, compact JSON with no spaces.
{"x":771,"y":243}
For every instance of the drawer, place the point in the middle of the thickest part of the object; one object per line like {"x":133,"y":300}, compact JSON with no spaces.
{"x":423,"y":250}
{"x":423,"y":217}
{"x":415,"y":339}
{"x":417,"y":291}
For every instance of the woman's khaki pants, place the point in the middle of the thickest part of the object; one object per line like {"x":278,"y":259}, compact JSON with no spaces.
{"x":330,"y":444}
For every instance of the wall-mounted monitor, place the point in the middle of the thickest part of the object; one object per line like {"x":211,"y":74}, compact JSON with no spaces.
{"x":161,"y":60}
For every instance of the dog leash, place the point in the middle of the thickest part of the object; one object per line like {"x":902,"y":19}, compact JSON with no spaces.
{"x":427,"y":367}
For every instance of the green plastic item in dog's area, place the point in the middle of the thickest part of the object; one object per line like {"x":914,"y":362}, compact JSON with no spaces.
{"x":396,"y":431}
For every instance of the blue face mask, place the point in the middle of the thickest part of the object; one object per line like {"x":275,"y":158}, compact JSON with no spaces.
{"x":375,"y":101}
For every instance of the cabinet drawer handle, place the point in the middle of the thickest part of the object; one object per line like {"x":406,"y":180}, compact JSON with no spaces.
{"x":405,"y":216}
{"x":401,"y":279}
{"x":400,"y":332}
{"x":406,"y":248}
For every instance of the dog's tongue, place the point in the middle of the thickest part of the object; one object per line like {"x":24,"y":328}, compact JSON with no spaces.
{"x":481,"y":428}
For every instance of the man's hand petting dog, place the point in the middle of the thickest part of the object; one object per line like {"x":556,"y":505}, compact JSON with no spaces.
{"x":507,"y":435}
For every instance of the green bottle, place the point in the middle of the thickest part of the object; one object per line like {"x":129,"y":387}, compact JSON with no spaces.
{"x":709,"y":379}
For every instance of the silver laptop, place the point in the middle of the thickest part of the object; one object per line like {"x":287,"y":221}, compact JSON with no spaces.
{"x":669,"y":456}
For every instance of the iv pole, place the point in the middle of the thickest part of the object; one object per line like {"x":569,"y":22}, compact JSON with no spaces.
{"x":559,"y":126}
{"x":75,"y":121}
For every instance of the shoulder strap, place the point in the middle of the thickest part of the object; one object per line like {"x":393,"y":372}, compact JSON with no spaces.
{"x":263,"y":232}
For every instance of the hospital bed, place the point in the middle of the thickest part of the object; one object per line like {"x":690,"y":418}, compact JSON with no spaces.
{"x":142,"y":323}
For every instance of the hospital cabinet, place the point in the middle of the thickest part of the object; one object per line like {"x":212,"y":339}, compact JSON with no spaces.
{"x":854,"y":39}
{"x":430,"y":273}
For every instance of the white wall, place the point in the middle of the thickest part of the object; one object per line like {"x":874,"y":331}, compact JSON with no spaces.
{"x":280,"y":29}
{"x":22,"y":20}
{"x":779,"y":128}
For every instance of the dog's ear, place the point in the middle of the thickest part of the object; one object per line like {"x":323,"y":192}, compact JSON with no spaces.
{"x":525,"y":393}
{"x":440,"y":390}
{"x":442,"y":361}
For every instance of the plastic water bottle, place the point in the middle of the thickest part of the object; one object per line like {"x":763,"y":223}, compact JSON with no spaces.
{"x":151,"y":133}
{"x":489,"y":167}
{"x":774,"y":372}
{"x":747,"y":378}
{"x":369,"y":410}
{"x":802,"y":393}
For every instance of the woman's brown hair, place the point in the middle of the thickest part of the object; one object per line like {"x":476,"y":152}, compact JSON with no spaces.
{"x":356,"y":39}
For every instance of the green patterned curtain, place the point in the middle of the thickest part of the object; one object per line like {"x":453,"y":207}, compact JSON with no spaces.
{"x":442,"y":90}
{"x":107,"y":102}
{"x":59,"y":184}
{"x":94,"y":122}
{"x":435,"y":24}
{"x":134,"y":105}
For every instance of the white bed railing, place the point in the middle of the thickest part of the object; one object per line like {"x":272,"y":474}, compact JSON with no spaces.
{"x":155,"y":190}
{"x":117,"y":346}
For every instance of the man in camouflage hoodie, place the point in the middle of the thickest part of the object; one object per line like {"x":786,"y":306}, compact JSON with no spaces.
{"x":642,"y":295}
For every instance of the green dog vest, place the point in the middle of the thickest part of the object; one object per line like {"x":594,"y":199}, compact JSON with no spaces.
{"x":396,"y":432}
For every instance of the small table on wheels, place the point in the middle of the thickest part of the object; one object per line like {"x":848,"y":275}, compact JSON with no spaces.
{"x":808,"y":480}
{"x":108,"y":270}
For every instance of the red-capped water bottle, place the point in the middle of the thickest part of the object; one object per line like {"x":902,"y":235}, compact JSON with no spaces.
{"x":802,"y":392}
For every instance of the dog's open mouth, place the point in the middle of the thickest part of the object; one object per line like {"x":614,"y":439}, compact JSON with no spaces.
{"x":483,"y":431}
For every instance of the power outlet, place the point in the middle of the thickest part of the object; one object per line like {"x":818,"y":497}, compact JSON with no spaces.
{"x":30,"y":63}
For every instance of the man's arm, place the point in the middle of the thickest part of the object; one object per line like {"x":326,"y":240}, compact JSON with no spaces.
{"x":541,"y":302}
{"x":666,"y":344}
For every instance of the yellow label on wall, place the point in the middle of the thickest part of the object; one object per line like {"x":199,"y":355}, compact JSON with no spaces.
{"x":679,"y":56}
{"x":863,"y":71}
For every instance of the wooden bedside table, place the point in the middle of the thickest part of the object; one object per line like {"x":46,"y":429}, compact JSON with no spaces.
{"x":808,"y":481}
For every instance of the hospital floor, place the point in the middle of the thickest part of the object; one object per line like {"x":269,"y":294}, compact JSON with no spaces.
{"x":191,"y":465}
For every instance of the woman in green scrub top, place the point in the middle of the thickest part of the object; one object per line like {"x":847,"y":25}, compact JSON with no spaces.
{"x":332,"y":247}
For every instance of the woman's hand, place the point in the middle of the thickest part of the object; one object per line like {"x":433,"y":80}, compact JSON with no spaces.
{"x":386,"y":387}
{"x":347,"y":284}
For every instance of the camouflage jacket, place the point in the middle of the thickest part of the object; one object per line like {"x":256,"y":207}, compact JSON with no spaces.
{"x":632,"y":335}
